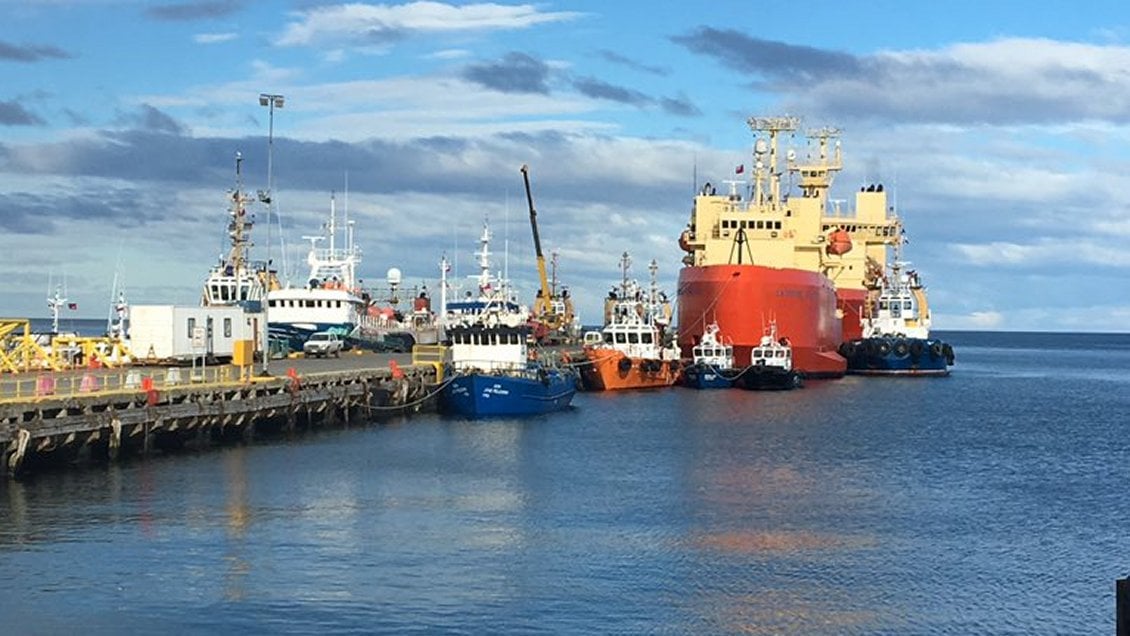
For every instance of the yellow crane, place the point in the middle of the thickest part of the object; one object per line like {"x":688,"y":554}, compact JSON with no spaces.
{"x":543,"y":306}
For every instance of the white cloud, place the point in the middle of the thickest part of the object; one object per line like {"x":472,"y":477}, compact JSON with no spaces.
{"x":214,"y":38}
{"x":1045,"y":252}
{"x":365,"y":23}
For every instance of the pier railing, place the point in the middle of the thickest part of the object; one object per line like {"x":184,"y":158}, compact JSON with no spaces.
{"x":22,"y":388}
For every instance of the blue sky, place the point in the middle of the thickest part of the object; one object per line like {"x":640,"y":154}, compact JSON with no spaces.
{"x":1000,"y":127}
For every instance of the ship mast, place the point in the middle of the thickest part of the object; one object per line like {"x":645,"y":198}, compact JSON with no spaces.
{"x":625,"y":264}
{"x":239,"y":227}
{"x":767,"y":175}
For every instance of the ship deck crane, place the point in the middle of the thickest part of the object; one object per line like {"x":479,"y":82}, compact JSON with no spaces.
{"x":543,"y":309}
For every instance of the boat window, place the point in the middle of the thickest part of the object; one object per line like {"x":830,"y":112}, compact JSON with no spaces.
{"x":645,"y":338}
{"x":309,"y":303}
{"x":780,"y":354}
{"x":756,"y":353}
{"x":882,"y":305}
{"x":633,"y":338}
{"x":907,"y":305}
{"x":191,"y":326}
{"x":227,"y":327}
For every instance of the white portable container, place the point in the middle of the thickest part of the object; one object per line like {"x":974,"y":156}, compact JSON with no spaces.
{"x":180,"y":333}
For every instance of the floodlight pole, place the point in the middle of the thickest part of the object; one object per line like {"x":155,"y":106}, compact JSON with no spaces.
{"x":271,"y":101}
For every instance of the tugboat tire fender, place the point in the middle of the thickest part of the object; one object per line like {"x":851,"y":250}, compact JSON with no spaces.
{"x":901,"y":348}
{"x":937,"y":349}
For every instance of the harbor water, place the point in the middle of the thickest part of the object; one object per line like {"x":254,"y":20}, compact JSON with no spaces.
{"x":992,"y":501}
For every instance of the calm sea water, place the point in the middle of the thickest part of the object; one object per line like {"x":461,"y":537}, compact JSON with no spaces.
{"x":990,"y":502}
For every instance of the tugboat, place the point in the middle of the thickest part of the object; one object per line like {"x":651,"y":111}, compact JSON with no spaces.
{"x":771,"y":365}
{"x":634,"y":351}
{"x":712,"y":366}
{"x":896,"y":328}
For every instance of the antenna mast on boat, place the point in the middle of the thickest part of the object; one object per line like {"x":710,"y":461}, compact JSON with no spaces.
{"x":239,"y":227}
{"x":625,"y":263}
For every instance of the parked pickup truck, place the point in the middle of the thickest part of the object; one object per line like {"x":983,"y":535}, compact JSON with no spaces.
{"x":322,"y":344}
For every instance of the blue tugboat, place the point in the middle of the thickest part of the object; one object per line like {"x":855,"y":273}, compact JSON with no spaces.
{"x":771,"y":365}
{"x":896,"y":330}
{"x":712,"y":366}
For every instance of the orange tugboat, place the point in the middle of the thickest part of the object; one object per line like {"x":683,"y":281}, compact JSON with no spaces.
{"x":792,"y":255}
{"x":633,"y":352}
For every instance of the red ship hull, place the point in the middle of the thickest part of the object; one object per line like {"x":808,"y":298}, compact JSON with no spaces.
{"x":850,"y":302}
{"x":742,"y":299}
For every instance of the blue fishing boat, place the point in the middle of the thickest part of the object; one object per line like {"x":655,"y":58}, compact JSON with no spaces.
{"x":712,"y":364}
{"x":494,"y":375}
{"x":896,"y":329}
{"x":493,"y":370}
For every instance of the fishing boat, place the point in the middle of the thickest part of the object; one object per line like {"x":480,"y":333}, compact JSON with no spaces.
{"x":495,"y":376}
{"x":771,"y":364}
{"x":494,"y":371}
{"x":712,"y":364}
{"x":634,"y":352}
{"x":896,"y":329}
{"x":761,"y":249}
{"x":333,"y":299}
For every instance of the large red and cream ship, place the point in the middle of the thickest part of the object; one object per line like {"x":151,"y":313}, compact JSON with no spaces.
{"x":761,"y":252}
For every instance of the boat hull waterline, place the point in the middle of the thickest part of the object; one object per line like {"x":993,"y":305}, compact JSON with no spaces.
{"x":490,"y":395}
{"x":742,"y":298}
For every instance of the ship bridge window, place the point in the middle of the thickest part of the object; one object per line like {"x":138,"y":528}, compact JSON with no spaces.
{"x":645,"y":337}
{"x":608,"y":338}
{"x":633,"y":338}
{"x":621,"y":338}
{"x":882,"y":305}
{"x":907,"y":305}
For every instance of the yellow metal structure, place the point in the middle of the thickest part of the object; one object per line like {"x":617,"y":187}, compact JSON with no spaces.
{"x":19,"y":351}
{"x":434,"y":355}
{"x":543,"y":305}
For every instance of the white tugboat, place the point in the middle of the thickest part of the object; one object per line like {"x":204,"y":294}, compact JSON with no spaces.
{"x":896,"y":328}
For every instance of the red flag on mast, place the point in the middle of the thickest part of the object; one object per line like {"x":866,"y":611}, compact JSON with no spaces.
{"x":740,"y":169}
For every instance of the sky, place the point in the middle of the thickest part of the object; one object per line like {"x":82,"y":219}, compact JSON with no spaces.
{"x":1000,"y":129}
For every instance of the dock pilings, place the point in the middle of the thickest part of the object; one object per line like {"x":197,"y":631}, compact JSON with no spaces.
{"x":133,"y":418}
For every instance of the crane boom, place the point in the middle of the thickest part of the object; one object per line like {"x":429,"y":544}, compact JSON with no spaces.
{"x":551,"y":319}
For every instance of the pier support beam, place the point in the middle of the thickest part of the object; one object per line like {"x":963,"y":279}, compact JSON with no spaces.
{"x":115,"y":443}
{"x":16,"y":459}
